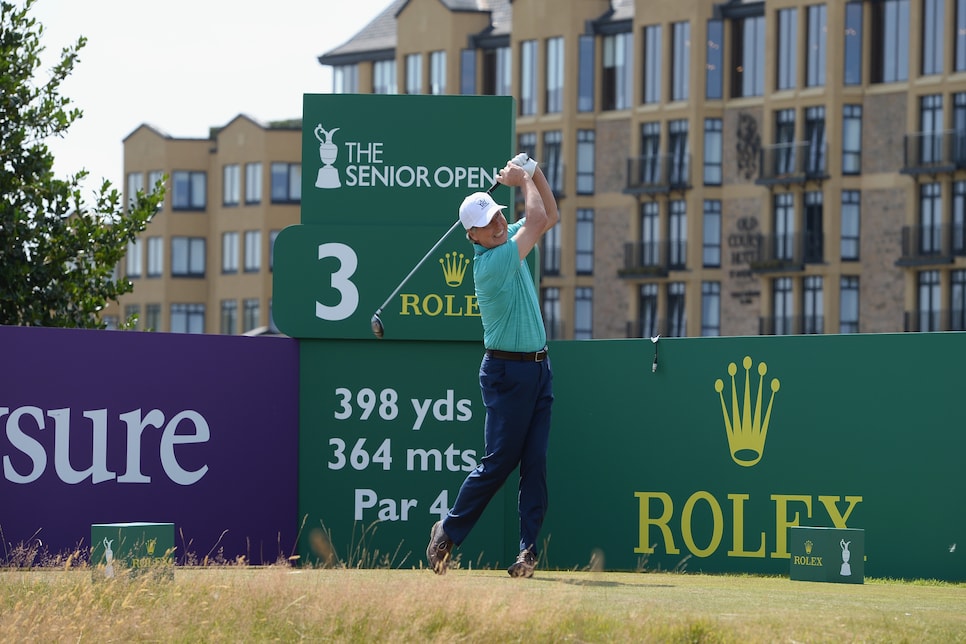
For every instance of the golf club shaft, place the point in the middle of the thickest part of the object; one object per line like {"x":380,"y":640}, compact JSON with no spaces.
{"x":426,"y":256}
{"x":416,"y":267}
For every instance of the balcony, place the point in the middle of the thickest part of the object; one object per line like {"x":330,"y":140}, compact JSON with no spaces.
{"x":653,"y":259}
{"x":934,"y":152}
{"x":788,"y":252}
{"x":788,"y":163}
{"x":925,"y":245}
{"x":658,"y":174}
{"x":791,"y":325}
{"x":925,"y":320}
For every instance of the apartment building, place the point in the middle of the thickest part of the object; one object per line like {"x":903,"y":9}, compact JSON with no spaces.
{"x":204,"y":263}
{"x":722,"y":168}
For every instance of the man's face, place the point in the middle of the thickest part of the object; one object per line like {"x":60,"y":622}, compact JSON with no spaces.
{"x":491,"y":235}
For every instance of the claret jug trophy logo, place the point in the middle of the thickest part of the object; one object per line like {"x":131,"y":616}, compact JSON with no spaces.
{"x":328,"y":152}
{"x":746,"y":428}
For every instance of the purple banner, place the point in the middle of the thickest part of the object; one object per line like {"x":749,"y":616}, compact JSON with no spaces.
{"x":120,"y":426}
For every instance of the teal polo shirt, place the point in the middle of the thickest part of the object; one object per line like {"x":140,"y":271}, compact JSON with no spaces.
{"x":507,"y":297}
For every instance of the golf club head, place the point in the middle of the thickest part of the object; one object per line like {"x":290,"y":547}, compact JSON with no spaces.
{"x":377,"y":328}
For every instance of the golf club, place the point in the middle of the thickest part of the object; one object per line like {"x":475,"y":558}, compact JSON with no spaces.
{"x":377,"y":328}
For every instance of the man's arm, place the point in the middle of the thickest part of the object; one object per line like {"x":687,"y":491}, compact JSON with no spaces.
{"x":536,"y":195}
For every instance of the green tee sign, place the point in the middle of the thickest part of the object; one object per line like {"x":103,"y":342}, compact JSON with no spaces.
{"x":382,"y":180}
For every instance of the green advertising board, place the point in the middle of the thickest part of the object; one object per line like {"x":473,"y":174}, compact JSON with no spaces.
{"x":382,"y":181}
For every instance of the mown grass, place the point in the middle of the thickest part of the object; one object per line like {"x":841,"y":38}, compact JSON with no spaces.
{"x":279,"y":603}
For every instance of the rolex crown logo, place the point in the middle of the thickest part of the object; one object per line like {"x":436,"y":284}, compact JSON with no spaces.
{"x":151,"y":544}
{"x":454,"y":268}
{"x":745,"y":426}
{"x":808,"y":547}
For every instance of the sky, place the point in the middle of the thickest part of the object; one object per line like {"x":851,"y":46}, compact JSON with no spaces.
{"x":184,"y":66}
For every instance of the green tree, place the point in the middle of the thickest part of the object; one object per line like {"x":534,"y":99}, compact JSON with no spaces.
{"x":57,"y":254}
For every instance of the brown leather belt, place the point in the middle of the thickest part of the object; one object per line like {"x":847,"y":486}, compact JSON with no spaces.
{"x":536,"y":356}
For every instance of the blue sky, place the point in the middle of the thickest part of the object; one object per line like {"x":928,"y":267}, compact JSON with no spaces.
{"x":186,"y":65}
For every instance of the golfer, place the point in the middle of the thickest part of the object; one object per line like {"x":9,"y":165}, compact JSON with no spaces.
{"x":515,"y":375}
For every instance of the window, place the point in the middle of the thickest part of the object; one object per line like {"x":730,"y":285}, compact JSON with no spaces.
{"x":527,"y":142}
{"x":229,"y":252}
{"x":851,"y":139}
{"x":585,"y":74}
{"x":748,"y":54}
{"x":680,"y":60}
{"x":528,"y":77}
{"x":653,"y":64}
{"x":782,"y":305}
{"x":551,"y":312}
{"x":850,"y":225}
{"x":135,"y":258}
{"x":929,"y":301}
{"x":787,"y":48}
{"x":650,"y":234}
{"x":711,"y":234}
{"x":583,"y":313}
{"x":468,"y":72}
{"x":647,"y":312}
{"x":132,"y":313}
{"x":890,"y":41}
{"x":585,"y":162}
{"x":933,"y":28}
{"x":813,"y":319}
{"x":229,"y":316}
{"x":253,"y":251}
{"x":189,"y":190}
{"x":231,"y":185}
{"x":930,"y":129}
{"x":187,"y":256}
{"x":817,"y":32}
{"x":253,"y":182}
{"x":650,"y":169}
{"x":957,"y":301}
{"x":784,"y":226}
{"x":384,"y":77}
{"x":437,"y":72}
{"x":553,"y":159}
{"x":959,"y":129}
{"x":585,"y":241}
{"x":187,"y":318}
{"x":784,"y":142}
{"x":345,"y":79}
{"x":497,"y":72}
{"x":713,"y":152}
{"x":852,"y":61}
{"x":271,"y":249}
{"x":414,"y":73}
{"x":616,"y":80}
{"x":815,"y":140}
{"x":849,"y":304}
{"x":960,"y":62}
{"x":135,"y":184}
{"x":555,"y":75}
{"x":959,"y":218}
{"x":715,"y":65}
{"x":678,"y":147}
{"x":710,"y":308}
{"x":251,"y":314}
{"x":930,"y":219}
{"x":152,"y":317}
{"x":155,"y":256}
{"x":814,"y":232}
{"x":677,"y":234}
{"x":154,"y":178}
{"x":676,"y":319}
{"x":286,"y":182}
{"x":550,"y":255}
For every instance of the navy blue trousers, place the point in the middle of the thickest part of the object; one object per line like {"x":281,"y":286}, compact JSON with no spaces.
{"x":517,"y":396}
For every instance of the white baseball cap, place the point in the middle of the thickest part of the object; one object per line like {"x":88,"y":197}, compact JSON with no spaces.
{"x":478,"y":209}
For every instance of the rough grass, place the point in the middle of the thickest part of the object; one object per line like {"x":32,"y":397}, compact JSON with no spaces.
{"x":280,"y":603}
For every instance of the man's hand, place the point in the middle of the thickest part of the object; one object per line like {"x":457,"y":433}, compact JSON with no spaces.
{"x":525,"y":162}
